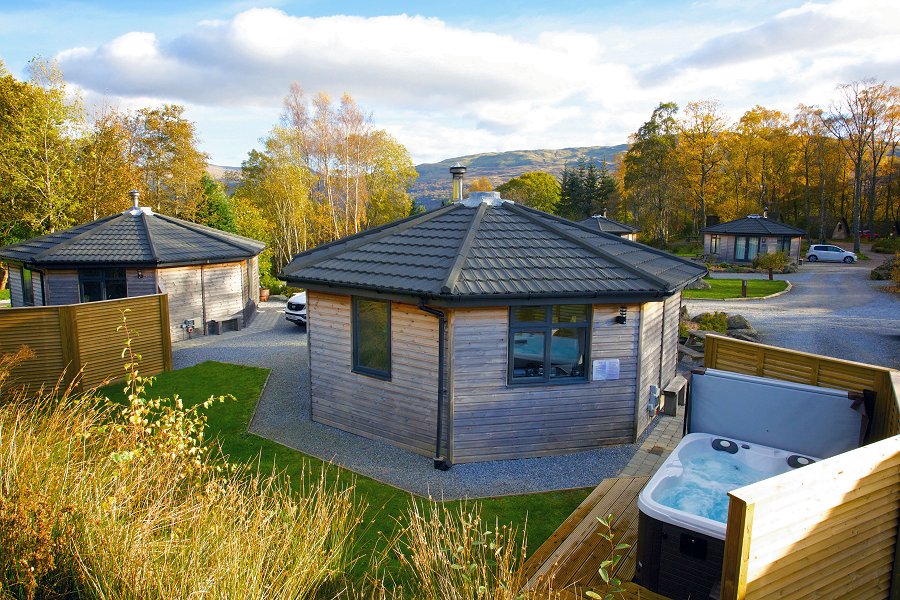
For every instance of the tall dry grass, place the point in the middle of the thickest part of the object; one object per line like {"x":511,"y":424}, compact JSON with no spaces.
{"x":98,"y":503}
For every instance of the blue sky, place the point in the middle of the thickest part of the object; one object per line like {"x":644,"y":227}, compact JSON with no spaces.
{"x":452,"y":78}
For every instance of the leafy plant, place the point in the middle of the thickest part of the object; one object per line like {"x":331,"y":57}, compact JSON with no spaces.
{"x":886,"y":245}
{"x":607,"y":568}
{"x":771,"y":262}
{"x":717,"y":321}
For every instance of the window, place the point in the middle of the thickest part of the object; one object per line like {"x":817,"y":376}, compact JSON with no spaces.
{"x":27,"y":287}
{"x":784,"y":245}
{"x":746,"y":247}
{"x":714,"y":243}
{"x":102,"y":284}
{"x":549,"y":344}
{"x":372,"y":337}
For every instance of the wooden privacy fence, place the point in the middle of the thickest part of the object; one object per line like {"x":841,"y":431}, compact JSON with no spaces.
{"x":829,"y":530}
{"x":84,"y":337}
{"x":729,"y":354}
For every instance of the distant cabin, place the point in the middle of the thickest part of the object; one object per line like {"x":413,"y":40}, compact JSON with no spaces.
{"x":488,"y":330}
{"x":741,"y":240}
{"x":607,"y":225}
{"x":209,"y":275}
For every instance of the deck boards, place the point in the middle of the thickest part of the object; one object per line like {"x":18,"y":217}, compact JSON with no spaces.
{"x":569,"y":559}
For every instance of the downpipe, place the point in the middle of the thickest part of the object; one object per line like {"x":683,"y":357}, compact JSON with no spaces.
{"x":440,"y":461}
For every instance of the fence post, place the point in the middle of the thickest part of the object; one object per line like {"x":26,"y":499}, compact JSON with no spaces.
{"x":743,"y":288}
{"x":68,"y":333}
{"x":165,"y":333}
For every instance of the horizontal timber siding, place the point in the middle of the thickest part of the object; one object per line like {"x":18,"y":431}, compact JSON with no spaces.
{"x":223,"y":292}
{"x":84,"y":337}
{"x":182,"y":285}
{"x":828,"y":530}
{"x":15,"y":287}
{"x":492,"y":420}
{"x":401,"y":411}
{"x":62,"y":287}
{"x":650,"y":352}
{"x":143,"y":285}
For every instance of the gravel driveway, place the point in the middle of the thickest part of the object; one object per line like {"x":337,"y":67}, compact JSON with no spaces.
{"x":282,"y":415}
{"x":833,"y":309}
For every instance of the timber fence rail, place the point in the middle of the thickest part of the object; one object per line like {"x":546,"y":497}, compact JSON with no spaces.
{"x":74,"y":338}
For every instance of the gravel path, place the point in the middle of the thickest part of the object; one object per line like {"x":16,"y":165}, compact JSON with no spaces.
{"x":282,"y":415}
{"x":833,"y":309}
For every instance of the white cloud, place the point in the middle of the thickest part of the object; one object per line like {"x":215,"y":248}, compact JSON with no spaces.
{"x":446,"y":90}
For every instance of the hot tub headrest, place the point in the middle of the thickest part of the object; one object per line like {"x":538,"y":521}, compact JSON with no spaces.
{"x":801,"y":418}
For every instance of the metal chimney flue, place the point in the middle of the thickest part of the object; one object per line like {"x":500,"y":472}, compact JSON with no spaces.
{"x":457,"y":171}
{"x":135,"y":198}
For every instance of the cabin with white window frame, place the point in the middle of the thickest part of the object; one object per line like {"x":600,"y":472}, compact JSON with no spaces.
{"x":211,"y":277}
{"x":487,"y":330}
{"x":741,"y":240}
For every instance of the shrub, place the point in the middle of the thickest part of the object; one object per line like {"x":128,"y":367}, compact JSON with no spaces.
{"x":771,"y":262}
{"x":886,"y":245}
{"x":717,"y":321}
{"x":895,"y":272}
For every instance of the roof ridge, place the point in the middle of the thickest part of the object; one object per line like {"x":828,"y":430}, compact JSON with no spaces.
{"x":364,"y":237}
{"x":614,"y":237}
{"x":100,"y":225}
{"x":463,"y":252}
{"x":222,"y":236}
{"x":145,"y":221}
{"x":535,"y":218}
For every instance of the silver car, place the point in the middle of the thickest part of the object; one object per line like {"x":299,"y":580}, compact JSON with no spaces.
{"x":295,"y":311}
{"x":827,"y":252}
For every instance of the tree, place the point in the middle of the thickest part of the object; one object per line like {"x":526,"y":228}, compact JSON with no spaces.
{"x":701,"y":134}
{"x":535,"y":189}
{"x":389,"y":174}
{"x":771,"y":262}
{"x":215,"y":209}
{"x":851,"y":119}
{"x":650,"y":171}
{"x":481,"y":184}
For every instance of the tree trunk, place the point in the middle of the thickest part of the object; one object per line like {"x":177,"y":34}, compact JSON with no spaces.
{"x":857,"y":195}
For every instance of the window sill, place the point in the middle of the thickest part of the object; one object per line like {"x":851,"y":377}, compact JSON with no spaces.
{"x":545,"y":383}
{"x":373,"y":374}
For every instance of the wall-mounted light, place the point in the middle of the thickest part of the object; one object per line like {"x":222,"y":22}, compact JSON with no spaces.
{"x":140,"y":274}
{"x":622,"y":316}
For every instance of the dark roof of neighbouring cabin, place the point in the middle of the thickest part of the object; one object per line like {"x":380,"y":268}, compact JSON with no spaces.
{"x":485,"y":248}
{"x":608,"y":225}
{"x":755,"y":224}
{"x":136,"y":236}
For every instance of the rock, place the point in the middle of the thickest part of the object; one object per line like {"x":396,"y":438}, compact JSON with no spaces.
{"x":883,"y":271}
{"x":791,"y":268}
{"x":748,"y":335}
{"x":683,"y":314}
{"x":738,"y":322}
{"x":700,"y":284}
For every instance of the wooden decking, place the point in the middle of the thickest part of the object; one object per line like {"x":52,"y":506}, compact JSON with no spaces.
{"x":569,"y":560}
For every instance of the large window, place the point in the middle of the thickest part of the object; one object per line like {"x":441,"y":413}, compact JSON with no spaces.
{"x":102,"y":284}
{"x":746,"y":247}
{"x":784,"y":245}
{"x":372,"y":337}
{"x":714,"y":243}
{"x":549,"y":344}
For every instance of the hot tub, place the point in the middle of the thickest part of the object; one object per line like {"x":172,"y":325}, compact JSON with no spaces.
{"x":684,"y":508}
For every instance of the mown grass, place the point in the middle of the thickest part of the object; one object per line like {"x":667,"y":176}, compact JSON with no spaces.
{"x":724,"y":289}
{"x":386,"y":507}
{"x":4,"y":294}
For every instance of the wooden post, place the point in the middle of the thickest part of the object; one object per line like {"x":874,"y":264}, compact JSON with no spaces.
{"x":737,"y":549}
{"x":68,"y":334}
{"x":743,"y":288}
{"x":165,"y":332}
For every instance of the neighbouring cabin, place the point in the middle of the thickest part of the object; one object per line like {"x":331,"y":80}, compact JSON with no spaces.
{"x":211,"y":277}
{"x":607,"y":225}
{"x":741,"y":240}
{"x":487,"y":330}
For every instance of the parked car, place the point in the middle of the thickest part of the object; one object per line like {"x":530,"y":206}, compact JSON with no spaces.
{"x":827,"y":252}
{"x":295,"y":311}
{"x":866,"y":234}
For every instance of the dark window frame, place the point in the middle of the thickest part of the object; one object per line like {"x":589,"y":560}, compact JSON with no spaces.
{"x":784,"y":244}
{"x":746,"y":247}
{"x":354,"y":333}
{"x":546,"y":327}
{"x":27,"y":296}
{"x":99,"y":275}
{"x":714,"y":240}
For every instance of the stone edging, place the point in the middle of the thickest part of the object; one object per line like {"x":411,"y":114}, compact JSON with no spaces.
{"x":789,"y":287}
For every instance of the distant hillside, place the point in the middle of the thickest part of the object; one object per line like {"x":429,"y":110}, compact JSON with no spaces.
{"x":433,"y":185}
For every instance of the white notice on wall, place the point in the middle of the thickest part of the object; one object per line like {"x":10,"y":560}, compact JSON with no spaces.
{"x":606,"y":369}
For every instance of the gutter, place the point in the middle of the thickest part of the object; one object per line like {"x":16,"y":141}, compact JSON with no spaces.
{"x":440,"y":461}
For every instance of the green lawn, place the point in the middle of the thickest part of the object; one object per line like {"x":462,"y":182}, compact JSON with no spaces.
{"x":4,"y":294}
{"x":723,"y":289}
{"x":386,"y":504}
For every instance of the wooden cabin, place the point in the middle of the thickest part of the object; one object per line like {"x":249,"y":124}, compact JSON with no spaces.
{"x":211,"y":277}
{"x":607,"y":225}
{"x":487,"y":330}
{"x":741,"y":240}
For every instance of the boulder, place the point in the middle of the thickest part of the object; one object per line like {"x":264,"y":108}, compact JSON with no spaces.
{"x":791,"y":268}
{"x":683,"y":314}
{"x":700,"y":284}
{"x":738,"y":322}
{"x":883,"y":271}
{"x":748,"y":335}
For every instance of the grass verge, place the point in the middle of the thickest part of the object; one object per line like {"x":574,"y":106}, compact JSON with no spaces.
{"x":725,"y":289}
{"x":387,"y":507}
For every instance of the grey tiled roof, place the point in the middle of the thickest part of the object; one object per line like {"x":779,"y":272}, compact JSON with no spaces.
{"x":608,"y":225}
{"x":134,"y":237}
{"x":492,"y":250}
{"x":755,"y":225}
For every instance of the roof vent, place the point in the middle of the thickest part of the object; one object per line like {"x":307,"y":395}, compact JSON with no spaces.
{"x":489,"y":198}
{"x":754,"y":216}
{"x":457,"y":171}
{"x":136,"y":207}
